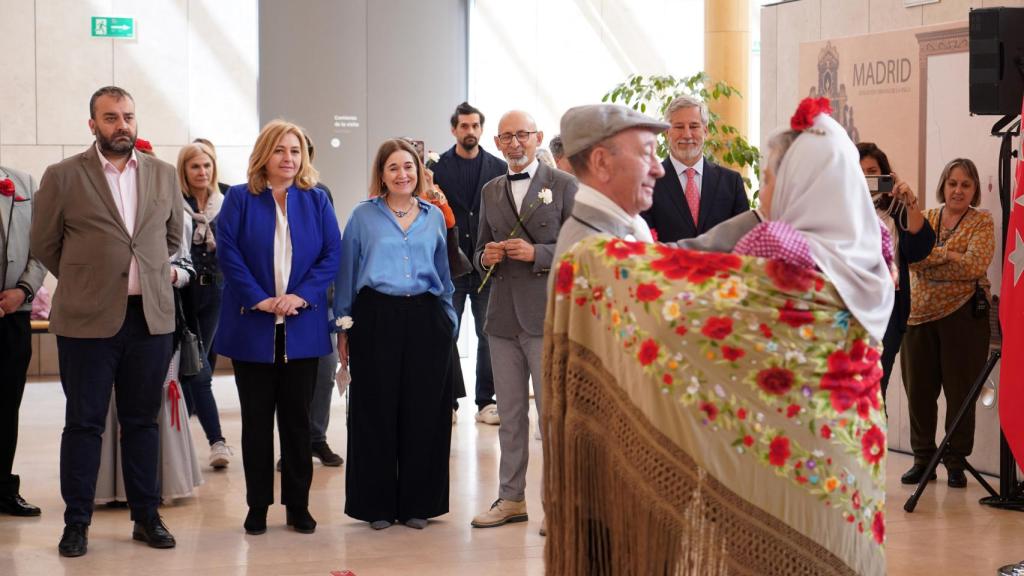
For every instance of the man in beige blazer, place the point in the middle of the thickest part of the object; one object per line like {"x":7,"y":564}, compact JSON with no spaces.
{"x":105,"y":223}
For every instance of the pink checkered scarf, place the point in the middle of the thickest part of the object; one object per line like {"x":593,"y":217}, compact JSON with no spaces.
{"x":780,"y":241}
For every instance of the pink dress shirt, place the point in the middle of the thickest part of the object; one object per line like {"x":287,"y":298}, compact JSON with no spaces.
{"x":124,"y":188}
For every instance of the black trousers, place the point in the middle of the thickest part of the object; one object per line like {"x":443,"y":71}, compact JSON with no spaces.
{"x":134,"y":363}
{"x":400,"y":402}
{"x":944,"y":355}
{"x":15,"y":354}
{"x":287,"y":389}
{"x":891,"y":343}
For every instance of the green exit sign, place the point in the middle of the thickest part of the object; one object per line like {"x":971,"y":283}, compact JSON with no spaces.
{"x":107,"y":27}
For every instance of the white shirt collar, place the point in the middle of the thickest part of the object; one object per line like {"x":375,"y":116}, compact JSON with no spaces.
{"x":588,"y":196}
{"x":681,"y":168}
{"x":531,"y":168}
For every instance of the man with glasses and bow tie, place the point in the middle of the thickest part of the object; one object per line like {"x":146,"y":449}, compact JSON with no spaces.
{"x":521,"y":213}
{"x":695,"y":195}
{"x":21,"y":275}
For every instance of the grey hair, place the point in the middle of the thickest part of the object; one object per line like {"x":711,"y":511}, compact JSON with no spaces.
{"x":776,"y":147}
{"x":687,"y":101}
{"x":556,"y":147}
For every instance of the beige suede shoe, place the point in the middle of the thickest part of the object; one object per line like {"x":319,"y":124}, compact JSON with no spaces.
{"x":501,"y":512}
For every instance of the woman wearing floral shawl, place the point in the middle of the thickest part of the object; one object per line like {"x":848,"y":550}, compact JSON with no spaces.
{"x":716,"y":413}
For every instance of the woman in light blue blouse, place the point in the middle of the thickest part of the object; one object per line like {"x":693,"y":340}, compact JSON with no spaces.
{"x":393,"y":302}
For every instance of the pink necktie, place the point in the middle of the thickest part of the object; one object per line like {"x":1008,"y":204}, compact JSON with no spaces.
{"x":692,"y":196}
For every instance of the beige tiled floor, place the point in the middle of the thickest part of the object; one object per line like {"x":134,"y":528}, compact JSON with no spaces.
{"x":950,"y":534}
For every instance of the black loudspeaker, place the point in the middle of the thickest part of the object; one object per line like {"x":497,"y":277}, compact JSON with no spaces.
{"x":997,"y":61}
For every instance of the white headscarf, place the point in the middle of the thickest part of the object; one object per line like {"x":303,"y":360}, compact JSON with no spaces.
{"x":820,"y":191}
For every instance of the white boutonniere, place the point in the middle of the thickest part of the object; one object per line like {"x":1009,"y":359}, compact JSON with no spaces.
{"x":345,"y":322}
{"x":433,"y":156}
{"x":544,"y":196}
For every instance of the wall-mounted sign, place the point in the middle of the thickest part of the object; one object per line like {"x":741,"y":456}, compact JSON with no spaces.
{"x":108,"y":27}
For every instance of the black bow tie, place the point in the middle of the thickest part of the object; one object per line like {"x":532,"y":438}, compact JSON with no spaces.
{"x":519,"y":176}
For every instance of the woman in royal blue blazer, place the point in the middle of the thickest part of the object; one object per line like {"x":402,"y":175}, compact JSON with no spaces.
{"x":279,"y":246}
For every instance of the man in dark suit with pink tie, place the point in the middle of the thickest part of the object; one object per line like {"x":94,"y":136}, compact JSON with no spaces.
{"x":695,"y":194}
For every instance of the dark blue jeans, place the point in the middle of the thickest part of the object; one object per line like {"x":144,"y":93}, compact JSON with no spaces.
{"x":466,"y":286}
{"x":198,"y":389}
{"x":134,"y":363}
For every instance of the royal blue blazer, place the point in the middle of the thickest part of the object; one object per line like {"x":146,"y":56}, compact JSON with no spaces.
{"x":245,"y":250}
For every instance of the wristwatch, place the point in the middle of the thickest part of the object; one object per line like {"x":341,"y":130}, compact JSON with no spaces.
{"x":29,"y":295}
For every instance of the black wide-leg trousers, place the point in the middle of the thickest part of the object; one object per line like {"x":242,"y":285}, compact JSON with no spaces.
{"x":400,"y":402}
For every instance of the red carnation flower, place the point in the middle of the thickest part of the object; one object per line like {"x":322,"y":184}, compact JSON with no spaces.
{"x":696,"y":267}
{"x":775,"y":380}
{"x":878,"y":527}
{"x":853,"y":379}
{"x":563,"y":282}
{"x":807,"y":111}
{"x":732,"y":354}
{"x":778,"y":451}
{"x":648,"y":351}
{"x":7,"y":187}
{"x":710,"y":409}
{"x":647,"y":292}
{"x":873,"y":445}
{"x":622,"y":249}
{"x":790,"y":278}
{"x":717,"y":327}
{"x":788,"y":314}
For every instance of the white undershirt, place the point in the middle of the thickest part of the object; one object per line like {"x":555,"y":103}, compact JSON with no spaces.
{"x":282,"y":253}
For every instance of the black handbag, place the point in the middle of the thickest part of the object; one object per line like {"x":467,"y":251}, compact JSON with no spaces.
{"x":458,"y":263}
{"x":980,"y":304}
{"x":191,"y":359}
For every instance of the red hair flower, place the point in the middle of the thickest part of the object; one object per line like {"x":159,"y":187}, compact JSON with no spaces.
{"x":807,"y":111}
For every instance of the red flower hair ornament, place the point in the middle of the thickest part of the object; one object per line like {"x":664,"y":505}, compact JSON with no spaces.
{"x":807,"y":111}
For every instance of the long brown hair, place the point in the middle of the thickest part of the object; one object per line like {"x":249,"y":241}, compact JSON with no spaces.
{"x":387,"y":148}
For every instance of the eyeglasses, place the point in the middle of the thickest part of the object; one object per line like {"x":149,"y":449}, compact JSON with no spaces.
{"x":523,"y":136}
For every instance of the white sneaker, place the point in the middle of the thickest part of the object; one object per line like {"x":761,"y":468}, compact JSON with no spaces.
{"x":220,"y":455}
{"x":488,"y":415}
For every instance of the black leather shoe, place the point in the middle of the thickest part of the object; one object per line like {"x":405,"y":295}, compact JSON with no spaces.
{"x":327,"y":456}
{"x":16,"y":506}
{"x":154,"y":533}
{"x":300,"y":520}
{"x":956,"y":479}
{"x":75,"y":541}
{"x":256,"y":520}
{"x":914,"y":475}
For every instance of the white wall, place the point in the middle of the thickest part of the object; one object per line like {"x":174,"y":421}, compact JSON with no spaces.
{"x":191,"y":69}
{"x":545,"y":56}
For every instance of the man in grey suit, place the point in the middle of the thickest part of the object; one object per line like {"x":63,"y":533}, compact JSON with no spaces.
{"x":521,"y":213}
{"x":106,"y":222}
{"x":21,"y":275}
{"x":613,"y":151}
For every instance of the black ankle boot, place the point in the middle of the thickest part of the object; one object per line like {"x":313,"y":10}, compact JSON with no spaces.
{"x":256,"y":520}
{"x":300,"y":520}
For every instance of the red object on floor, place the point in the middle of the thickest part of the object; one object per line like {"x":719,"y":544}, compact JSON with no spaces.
{"x":1011,"y":316}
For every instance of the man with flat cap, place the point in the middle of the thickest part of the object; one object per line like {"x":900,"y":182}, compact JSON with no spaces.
{"x":613,"y":152}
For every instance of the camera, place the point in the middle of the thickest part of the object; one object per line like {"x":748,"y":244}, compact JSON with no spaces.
{"x":881,"y":184}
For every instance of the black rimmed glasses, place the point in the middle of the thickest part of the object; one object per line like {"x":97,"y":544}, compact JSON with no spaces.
{"x":523,"y":136}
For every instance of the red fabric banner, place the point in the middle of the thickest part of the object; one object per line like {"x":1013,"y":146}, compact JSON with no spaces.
{"x":1011,"y":378}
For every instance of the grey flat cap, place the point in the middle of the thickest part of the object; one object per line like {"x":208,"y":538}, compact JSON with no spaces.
{"x":584,"y":126}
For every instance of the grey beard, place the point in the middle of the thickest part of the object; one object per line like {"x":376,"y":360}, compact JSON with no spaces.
{"x":518,"y":162}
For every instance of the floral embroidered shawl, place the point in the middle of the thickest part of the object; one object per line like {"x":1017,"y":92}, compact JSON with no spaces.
{"x":707,"y":414}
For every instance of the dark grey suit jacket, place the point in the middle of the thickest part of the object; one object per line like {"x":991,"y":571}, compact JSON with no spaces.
{"x":518,"y":289}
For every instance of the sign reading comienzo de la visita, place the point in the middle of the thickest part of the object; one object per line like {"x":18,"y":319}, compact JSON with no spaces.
{"x":110,"y":27}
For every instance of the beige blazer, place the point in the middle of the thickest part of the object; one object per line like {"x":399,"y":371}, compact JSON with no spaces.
{"x":79,"y":235}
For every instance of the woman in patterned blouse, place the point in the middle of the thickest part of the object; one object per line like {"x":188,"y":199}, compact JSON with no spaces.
{"x":948,"y":329}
